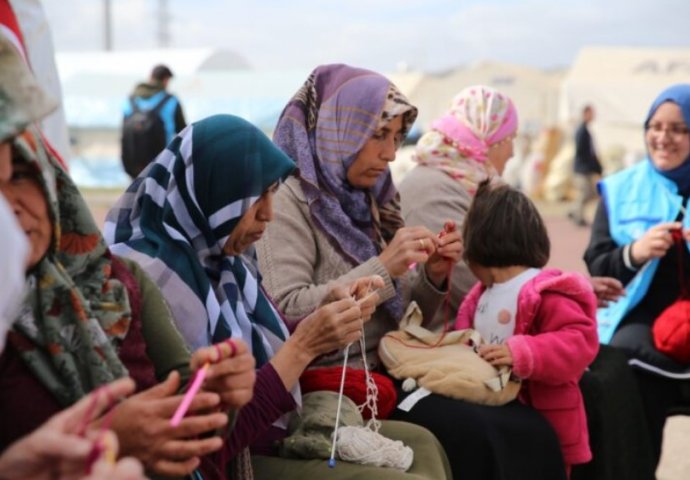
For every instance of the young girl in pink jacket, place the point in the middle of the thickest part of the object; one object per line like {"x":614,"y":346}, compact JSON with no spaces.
{"x":541,"y":322}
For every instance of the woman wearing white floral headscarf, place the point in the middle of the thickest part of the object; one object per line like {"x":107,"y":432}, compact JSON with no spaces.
{"x":471,"y":142}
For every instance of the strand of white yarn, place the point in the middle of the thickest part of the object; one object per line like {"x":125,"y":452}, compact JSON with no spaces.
{"x":365,"y":445}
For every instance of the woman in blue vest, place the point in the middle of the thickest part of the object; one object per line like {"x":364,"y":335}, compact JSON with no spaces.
{"x":632,"y":240}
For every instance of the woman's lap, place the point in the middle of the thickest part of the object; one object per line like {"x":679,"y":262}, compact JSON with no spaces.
{"x":429,"y":463}
{"x":659,"y":393}
{"x":483,"y":442}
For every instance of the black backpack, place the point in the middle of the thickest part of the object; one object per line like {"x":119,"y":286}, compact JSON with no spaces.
{"x":143,"y":137}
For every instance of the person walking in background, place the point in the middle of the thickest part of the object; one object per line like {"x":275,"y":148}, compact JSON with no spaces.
{"x":152,"y":117}
{"x":587,"y":168}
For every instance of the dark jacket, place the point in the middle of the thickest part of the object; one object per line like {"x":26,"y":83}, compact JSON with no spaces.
{"x":586,"y":161}
{"x":148,"y":90}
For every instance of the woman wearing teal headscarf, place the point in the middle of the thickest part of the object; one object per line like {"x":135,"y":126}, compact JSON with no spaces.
{"x":190,"y":220}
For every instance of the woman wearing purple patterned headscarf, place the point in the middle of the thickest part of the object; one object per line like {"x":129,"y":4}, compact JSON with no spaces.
{"x":339,"y":218}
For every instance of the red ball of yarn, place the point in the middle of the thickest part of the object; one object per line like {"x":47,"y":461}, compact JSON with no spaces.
{"x":328,"y":378}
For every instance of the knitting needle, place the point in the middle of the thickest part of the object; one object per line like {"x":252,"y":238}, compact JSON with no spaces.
{"x":331,"y":460}
{"x":189,"y":396}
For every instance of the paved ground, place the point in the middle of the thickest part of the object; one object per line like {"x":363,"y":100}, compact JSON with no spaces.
{"x":568,"y":242}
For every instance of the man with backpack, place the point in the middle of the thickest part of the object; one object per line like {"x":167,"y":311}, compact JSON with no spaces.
{"x":152,"y":117}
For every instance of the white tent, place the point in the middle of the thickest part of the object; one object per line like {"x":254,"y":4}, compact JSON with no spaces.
{"x":138,"y":63}
{"x":621,"y":83}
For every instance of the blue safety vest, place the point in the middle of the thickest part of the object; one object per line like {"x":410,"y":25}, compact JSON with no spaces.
{"x":636,"y":199}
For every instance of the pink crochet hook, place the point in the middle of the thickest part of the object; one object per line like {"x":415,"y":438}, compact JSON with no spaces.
{"x":189,"y":396}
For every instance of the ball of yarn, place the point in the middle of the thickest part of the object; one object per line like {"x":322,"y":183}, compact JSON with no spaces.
{"x":328,"y":378}
{"x":364,"y":446}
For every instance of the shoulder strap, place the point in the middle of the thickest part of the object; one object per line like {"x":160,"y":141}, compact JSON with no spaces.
{"x":160,"y":104}
{"x":133,"y":104}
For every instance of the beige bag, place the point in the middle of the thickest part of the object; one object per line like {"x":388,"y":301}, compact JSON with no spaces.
{"x":450,"y":367}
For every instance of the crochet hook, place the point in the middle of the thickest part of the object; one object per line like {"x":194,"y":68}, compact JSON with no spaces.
{"x":189,"y":396}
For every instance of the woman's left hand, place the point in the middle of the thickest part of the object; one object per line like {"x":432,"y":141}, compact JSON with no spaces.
{"x":607,"y":289}
{"x":496,"y":355}
{"x":364,"y":291}
{"x":447,"y":253}
{"x":231,"y":373}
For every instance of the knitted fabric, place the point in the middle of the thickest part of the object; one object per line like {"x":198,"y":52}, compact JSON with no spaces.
{"x":328,"y":378}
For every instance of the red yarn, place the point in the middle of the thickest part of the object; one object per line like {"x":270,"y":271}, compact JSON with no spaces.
{"x":671,"y":329}
{"x":328,"y":378}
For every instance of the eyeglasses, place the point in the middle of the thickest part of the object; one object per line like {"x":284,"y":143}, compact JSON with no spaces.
{"x":675,"y":130}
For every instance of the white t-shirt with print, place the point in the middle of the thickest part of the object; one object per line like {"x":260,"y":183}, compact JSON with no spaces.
{"x":494,"y":318}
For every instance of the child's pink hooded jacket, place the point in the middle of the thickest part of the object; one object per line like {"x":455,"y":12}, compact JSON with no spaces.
{"x":555,"y":339}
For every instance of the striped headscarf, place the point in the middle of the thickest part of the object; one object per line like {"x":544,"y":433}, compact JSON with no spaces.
{"x":459,"y":141}
{"x":176,"y":217}
{"x":76,"y":313}
{"x":323,"y":128}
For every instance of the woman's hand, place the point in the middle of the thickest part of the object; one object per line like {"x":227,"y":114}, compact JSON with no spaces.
{"x":409,"y":245}
{"x":329,"y":328}
{"x":57,"y":450}
{"x":654,"y":243}
{"x":142,"y":425}
{"x":607,"y":290}
{"x":107,"y":469}
{"x":447,"y":254}
{"x":364,"y":291}
{"x":496,"y":355}
{"x":231,"y":373}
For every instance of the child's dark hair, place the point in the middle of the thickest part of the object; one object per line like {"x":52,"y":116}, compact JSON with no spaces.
{"x":503,"y":228}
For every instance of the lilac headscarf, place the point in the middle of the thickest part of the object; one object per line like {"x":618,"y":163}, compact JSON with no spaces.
{"x":322,"y":129}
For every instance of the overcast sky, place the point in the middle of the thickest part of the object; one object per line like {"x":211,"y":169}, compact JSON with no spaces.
{"x":429,"y":35}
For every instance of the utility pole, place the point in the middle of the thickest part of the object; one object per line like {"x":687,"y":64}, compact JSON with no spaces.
{"x":163,"y":24}
{"x":107,"y":27}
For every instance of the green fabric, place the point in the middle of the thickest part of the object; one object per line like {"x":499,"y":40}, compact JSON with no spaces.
{"x":165,"y":346}
{"x":311,"y":428}
{"x":75,"y":314}
{"x":430,"y":461}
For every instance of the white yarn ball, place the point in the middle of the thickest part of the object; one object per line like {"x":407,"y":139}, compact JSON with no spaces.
{"x":361,"y":445}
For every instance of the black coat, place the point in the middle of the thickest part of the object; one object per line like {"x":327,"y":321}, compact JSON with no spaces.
{"x":586,"y":161}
